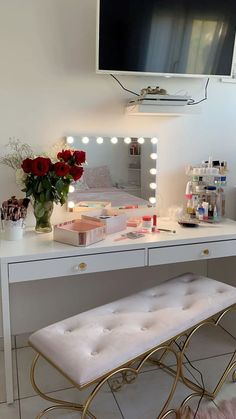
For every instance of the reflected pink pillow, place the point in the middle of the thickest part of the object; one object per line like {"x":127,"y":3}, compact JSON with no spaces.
{"x":98,"y":177}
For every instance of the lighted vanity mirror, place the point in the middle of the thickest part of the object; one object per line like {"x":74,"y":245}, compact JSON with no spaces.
{"x":120,"y":172}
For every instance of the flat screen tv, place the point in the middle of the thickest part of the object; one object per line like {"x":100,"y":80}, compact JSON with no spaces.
{"x":170,"y":37}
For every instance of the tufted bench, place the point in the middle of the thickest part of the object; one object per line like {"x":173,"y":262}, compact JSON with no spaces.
{"x":92,"y":346}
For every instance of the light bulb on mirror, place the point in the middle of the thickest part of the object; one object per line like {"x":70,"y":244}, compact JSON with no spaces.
{"x":85,"y":140}
{"x":141,"y":140}
{"x":127,"y":140}
{"x":99,"y":140}
{"x":114,"y":140}
{"x":154,"y":140}
{"x":153,"y":171}
{"x":152,"y":200}
{"x":153,"y":156}
{"x":153,"y":185}
{"x":71,"y":204}
{"x":70,"y":140}
{"x":71,"y":189}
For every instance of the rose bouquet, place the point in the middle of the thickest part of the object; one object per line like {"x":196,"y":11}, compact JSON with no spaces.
{"x":48,"y":181}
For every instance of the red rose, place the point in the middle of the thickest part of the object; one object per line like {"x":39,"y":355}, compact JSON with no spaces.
{"x":61,"y":169}
{"x":76,"y":172}
{"x":40,"y":166}
{"x":80,"y":157}
{"x":64,"y":155}
{"x":27,"y":165}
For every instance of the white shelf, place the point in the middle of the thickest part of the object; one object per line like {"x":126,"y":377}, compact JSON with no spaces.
{"x":161,"y":110}
{"x":228,"y":80}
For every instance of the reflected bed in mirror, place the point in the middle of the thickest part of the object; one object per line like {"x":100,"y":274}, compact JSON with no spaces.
{"x":120,"y":172}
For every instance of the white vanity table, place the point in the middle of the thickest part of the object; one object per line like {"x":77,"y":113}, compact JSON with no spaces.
{"x":39,"y":257}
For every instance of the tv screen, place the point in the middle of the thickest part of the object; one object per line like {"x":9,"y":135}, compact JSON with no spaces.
{"x":175,"y":37}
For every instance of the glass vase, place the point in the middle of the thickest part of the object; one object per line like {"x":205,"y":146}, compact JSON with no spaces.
{"x":42,"y":213}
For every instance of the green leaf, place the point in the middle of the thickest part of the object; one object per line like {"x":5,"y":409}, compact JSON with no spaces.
{"x":48,"y":195}
{"x":40,"y":186}
{"x":46,"y":183}
{"x":28,"y":191}
{"x":39,"y":209}
{"x":42,"y":197}
{"x":59,"y":185}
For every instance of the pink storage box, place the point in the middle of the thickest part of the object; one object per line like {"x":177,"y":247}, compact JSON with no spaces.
{"x":114,"y":220}
{"x":80,"y":232}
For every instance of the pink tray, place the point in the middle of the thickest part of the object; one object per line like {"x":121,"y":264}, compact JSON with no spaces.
{"x":81,"y":232}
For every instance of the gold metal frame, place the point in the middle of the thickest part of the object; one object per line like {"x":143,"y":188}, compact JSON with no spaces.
{"x":128,"y":372}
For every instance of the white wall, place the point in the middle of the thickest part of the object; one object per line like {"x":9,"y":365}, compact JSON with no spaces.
{"x":49,"y":88}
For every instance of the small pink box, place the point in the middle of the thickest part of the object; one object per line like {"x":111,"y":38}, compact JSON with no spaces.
{"x":80,"y":232}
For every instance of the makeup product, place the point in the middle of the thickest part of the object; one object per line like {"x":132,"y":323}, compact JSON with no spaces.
{"x":133,"y":222}
{"x":205,"y":205}
{"x":154,"y":223}
{"x":188,"y":223}
{"x":215,"y":215}
{"x":131,"y":235}
{"x":200,"y":213}
{"x":147,"y":223}
{"x":128,"y":207}
{"x":167,"y":230}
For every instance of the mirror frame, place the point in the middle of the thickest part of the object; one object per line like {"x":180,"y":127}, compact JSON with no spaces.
{"x":99,"y":140}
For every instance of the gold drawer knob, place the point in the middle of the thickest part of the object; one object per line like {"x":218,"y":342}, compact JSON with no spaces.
{"x":205,"y":252}
{"x":81,"y":267}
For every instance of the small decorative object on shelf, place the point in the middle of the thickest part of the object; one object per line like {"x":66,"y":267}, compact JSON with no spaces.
{"x":45,"y":179}
{"x":13,"y":213}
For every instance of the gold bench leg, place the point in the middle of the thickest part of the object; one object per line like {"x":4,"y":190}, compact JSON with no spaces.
{"x":58,"y":404}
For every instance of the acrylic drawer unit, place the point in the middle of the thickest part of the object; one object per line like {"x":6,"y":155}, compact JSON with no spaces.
{"x":50,"y":268}
{"x":191,"y":252}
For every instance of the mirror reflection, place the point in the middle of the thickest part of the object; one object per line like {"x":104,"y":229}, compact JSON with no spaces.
{"x":120,"y":172}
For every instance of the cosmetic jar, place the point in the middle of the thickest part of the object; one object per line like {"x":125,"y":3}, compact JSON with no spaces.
{"x":147,"y":223}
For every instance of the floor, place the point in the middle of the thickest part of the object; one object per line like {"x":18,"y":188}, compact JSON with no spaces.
{"x":209,"y":353}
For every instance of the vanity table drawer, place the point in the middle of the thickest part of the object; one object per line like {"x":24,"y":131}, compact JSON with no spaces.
{"x":66,"y":266}
{"x":190,"y":252}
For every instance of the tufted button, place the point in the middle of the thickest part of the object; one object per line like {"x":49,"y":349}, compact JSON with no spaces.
{"x":189,"y":292}
{"x":66,"y":332}
{"x":106,"y":329}
{"x":187,"y":307}
{"x":94,"y":353}
{"x":162,"y":294}
{"x":221,"y":291}
{"x":154,"y":295}
{"x":143,"y":328}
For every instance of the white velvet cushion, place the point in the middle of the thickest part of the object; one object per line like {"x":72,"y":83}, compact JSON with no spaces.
{"x":89,"y":345}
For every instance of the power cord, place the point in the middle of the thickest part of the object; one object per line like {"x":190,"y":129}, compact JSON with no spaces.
{"x":124,"y":88}
{"x":192,"y":101}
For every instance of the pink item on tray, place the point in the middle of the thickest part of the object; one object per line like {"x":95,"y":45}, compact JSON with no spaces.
{"x":133,"y":222}
{"x":80,"y":232}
